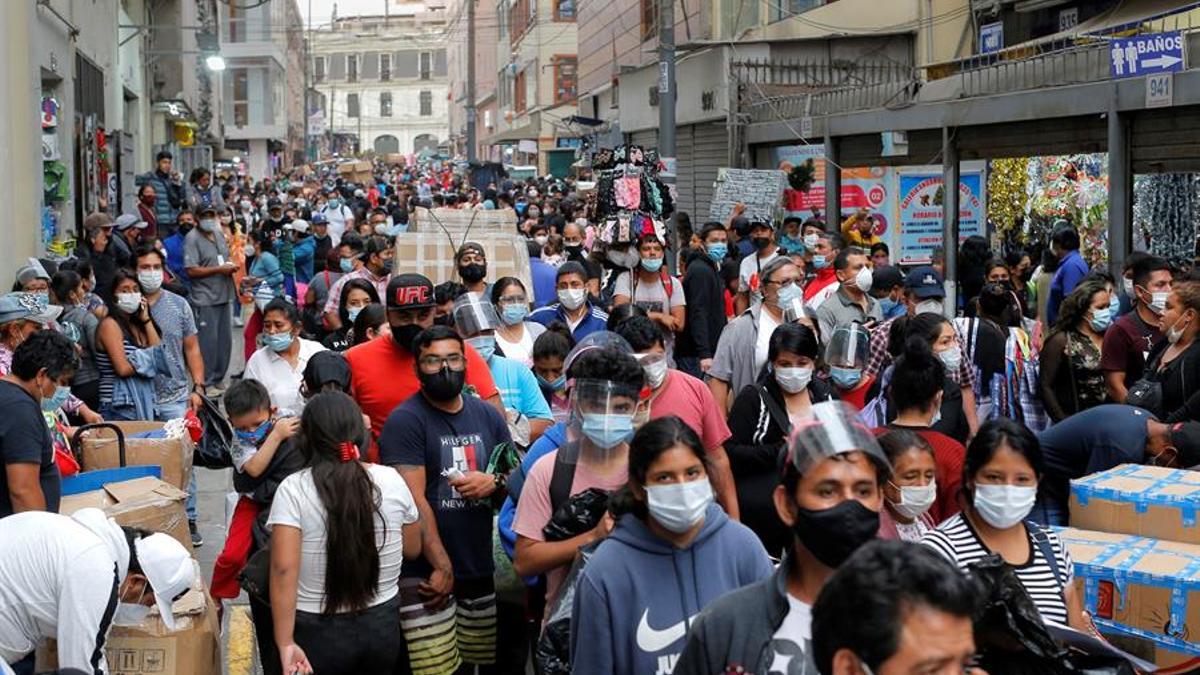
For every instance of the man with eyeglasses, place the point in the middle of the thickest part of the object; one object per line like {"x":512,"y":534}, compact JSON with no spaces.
{"x":442,"y":441}
{"x":742,"y":349}
{"x":382,"y":369}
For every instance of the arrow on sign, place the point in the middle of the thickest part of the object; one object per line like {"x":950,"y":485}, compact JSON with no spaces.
{"x":1163,"y":61}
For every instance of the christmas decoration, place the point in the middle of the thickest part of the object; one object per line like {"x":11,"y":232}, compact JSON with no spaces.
{"x":1166,"y":207}
{"x":1006,"y":191}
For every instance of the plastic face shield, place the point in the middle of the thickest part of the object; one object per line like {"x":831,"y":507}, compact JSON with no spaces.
{"x":834,"y":429}
{"x":473,"y":315}
{"x":603,"y":413}
{"x":599,"y":340}
{"x":848,"y":347}
{"x":796,"y":312}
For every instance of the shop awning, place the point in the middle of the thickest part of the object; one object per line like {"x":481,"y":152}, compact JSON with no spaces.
{"x":531,"y":131}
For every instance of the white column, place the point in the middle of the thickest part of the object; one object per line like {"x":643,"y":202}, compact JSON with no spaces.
{"x":20,"y":139}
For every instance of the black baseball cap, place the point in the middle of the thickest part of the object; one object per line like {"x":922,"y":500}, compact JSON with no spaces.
{"x":1185,"y":436}
{"x":410,"y":291}
{"x":886,"y":278}
{"x":324,"y":367}
{"x":925,"y":282}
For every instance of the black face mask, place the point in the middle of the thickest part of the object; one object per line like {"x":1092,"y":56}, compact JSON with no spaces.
{"x":444,"y":320}
{"x":760,"y":243}
{"x":443,"y":385}
{"x":574,"y":249}
{"x":472,"y":273}
{"x":404,"y":335}
{"x":832,"y":534}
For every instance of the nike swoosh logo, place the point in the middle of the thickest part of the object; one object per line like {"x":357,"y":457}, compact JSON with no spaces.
{"x":651,"y":641}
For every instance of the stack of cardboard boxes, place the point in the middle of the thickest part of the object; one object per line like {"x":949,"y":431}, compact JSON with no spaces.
{"x":158,"y":506}
{"x":1136,"y":548}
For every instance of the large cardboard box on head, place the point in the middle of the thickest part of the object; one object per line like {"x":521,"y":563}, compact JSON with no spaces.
{"x":432,"y":254}
{"x":356,"y":172}
{"x":460,"y":222}
{"x":99,"y":450}
{"x":147,"y":503}
{"x":1139,"y":587}
{"x":193,"y":648}
{"x":1148,"y":501}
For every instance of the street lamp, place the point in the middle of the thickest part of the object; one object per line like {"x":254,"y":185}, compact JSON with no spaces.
{"x":215,"y":62}
{"x":210,"y":48}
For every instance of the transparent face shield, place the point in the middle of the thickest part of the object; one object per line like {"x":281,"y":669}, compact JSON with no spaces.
{"x":833,"y":429}
{"x":599,"y":340}
{"x":473,"y":315}
{"x":602,"y":418}
{"x":848,"y":347}
{"x":795,"y":312}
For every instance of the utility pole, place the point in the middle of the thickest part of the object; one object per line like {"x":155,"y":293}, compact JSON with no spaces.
{"x":308,"y":153}
{"x":470,"y":80}
{"x":666,"y":88}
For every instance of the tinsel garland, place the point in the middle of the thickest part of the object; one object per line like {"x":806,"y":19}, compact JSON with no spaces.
{"x":1006,"y":195}
{"x":1166,"y":207}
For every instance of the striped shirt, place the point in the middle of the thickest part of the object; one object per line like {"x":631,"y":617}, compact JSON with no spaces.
{"x":108,"y":374}
{"x":957,"y":541}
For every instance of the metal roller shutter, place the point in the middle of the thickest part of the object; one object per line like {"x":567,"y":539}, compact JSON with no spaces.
{"x":647,"y":138}
{"x":703,"y":149}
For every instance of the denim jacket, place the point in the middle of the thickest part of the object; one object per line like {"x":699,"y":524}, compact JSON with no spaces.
{"x":133,"y":397}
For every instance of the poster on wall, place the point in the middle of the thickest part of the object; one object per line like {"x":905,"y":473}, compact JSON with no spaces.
{"x":862,"y":187}
{"x":922,"y":196}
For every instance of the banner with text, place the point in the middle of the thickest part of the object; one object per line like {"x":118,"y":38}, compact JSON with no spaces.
{"x":921,"y":197}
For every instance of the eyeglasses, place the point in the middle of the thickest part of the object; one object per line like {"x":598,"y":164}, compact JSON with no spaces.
{"x":432,"y":364}
{"x":785,"y":283}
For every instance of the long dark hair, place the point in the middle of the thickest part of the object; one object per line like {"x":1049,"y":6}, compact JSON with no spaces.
{"x":362,"y":285}
{"x":1076,"y":306}
{"x":652,"y":440}
{"x":351,"y":500}
{"x":370,"y":317}
{"x":115,"y":313}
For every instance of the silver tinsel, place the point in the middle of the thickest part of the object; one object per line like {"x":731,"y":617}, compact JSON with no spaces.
{"x":1166,"y":206}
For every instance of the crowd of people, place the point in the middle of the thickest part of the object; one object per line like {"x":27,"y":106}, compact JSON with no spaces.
{"x":743,"y":446}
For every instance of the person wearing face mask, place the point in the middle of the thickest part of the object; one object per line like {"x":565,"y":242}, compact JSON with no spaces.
{"x":168,"y":190}
{"x":1174,"y":363}
{"x":322,"y":242}
{"x":377,"y":258}
{"x":526,"y":410}
{"x":852,"y":302}
{"x":887,"y":286}
{"x":762,"y":418}
{"x":624,"y":619}
{"x":129,"y":231}
{"x":1126,"y":346}
{"x":702,"y":284}
{"x":201,"y":192}
{"x":1004,"y":465}
{"x":1071,"y":376}
{"x":279,"y":363}
{"x":38,"y":381}
{"x":442,"y":442}
{"x":573,"y":308}
{"x":471,"y":262}
{"x":674,"y":393}
{"x":97,"y":248}
{"x":66,"y":289}
{"x":653,"y":289}
{"x":515,"y":335}
{"x":356,"y":295}
{"x":912,"y":488}
{"x":129,"y":353}
{"x":383,"y":370}
{"x":210,"y":268}
{"x":743,"y":346}
{"x":145,"y":211}
{"x":791,"y":239}
{"x":750,"y":270}
{"x":339,"y":216}
{"x":70,"y":579}
{"x":573,"y":236}
{"x":303,"y":250}
{"x":830,"y":496}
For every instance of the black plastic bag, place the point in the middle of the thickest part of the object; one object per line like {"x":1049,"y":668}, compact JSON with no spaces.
{"x":553,"y":653}
{"x":579,"y":514}
{"x":214,"y":451}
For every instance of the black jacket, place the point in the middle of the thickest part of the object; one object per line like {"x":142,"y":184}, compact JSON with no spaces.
{"x":705,"y":308}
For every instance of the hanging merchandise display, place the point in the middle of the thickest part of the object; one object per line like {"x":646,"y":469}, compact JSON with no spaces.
{"x":630,"y":199}
{"x":1006,"y":194}
{"x":1072,"y":188}
{"x":1166,"y":207}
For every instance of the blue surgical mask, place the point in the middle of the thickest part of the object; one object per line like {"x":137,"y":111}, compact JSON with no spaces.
{"x":335,"y":203}
{"x":820,"y":262}
{"x":791,"y":244}
{"x":717,"y":251}
{"x":788,"y":295}
{"x":845,"y":378}
{"x":346,"y":265}
{"x":1101,"y":319}
{"x":607,"y":431}
{"x":255,"y":436}
{"x":353,"y":312}
{"x":514,"y":314}
{"x":557,"y":385}
{"x":278,"y":342}
{"x":891,"y":308}
{"x":652,"y":264}
{"x":485,"y":345}
{"x":43,"y":298}
{"x":57,"y":399}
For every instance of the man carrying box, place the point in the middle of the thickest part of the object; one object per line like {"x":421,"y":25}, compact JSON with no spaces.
{"x":71,"y":578}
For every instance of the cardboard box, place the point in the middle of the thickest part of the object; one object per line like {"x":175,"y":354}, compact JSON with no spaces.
{"x":1139,"y":587}
{"x":468,"y":222}
{"x":432,"y":254}
{"x":147,"y":503}
{"x":99,"y":450}
{"x":1168,"y":661}
{"x":194,"y":648}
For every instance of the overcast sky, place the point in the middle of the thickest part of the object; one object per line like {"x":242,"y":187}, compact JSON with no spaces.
{"x":322,"y":10}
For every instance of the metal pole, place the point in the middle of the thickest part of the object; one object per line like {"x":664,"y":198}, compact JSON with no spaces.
{"x":307,"y":65}
{"x":471,"y":149}
{"x":1120,"y":186}
{"x":666,"y":88}
{"x":950,"y":179}
{"x":833,"y":185}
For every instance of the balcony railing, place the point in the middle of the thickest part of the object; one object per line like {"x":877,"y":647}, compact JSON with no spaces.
{"x":770,"y":90}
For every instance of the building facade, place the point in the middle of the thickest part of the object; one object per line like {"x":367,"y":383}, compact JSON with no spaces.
{"x":487,"y":31}
{"x":263,"y":50}
{"x":382,"y":80}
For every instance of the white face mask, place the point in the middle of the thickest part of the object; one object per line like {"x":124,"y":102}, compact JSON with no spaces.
{"x":151,"y":280}
{"x":951,"y":358}
{"x":679,"y":506}
{"x":541,"y":239}
{"x":1127,"y":285}
{"x":915,"y":500}
{"x":1003,"y":506}
{"x":793,"y":380}
{"x":656,"y":373}
{"x":624,"y":259}
{"x":863,"y":279}
{"x":929,"y":307}
{"x":572,"y":298}
{"x":1158,"y":302}
{"x":131,"y":613}
{"x":129,"y":302}
{"x":811,"y":240}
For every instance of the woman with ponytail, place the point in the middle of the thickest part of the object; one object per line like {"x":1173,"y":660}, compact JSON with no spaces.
{"x":339,"y":532}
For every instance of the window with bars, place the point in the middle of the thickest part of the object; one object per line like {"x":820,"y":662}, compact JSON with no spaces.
{"x":319,"y":69}
{"x":385,"y":104}
{"x":385,"y":67}
{"x":425,"y":65}
{"x":519,"y":92}
{"x":426,"y":100}
{"x":351,"y":105}
{"x":564,"y":10}
{"x":352,"y":67}
{"x":565,"y":79}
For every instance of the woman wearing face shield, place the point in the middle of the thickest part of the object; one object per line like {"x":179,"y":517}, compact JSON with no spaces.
{"x":627,"y":616}
{"x":846,"y":356}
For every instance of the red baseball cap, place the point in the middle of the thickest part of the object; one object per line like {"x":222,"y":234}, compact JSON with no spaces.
{"x":410,"y":291}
